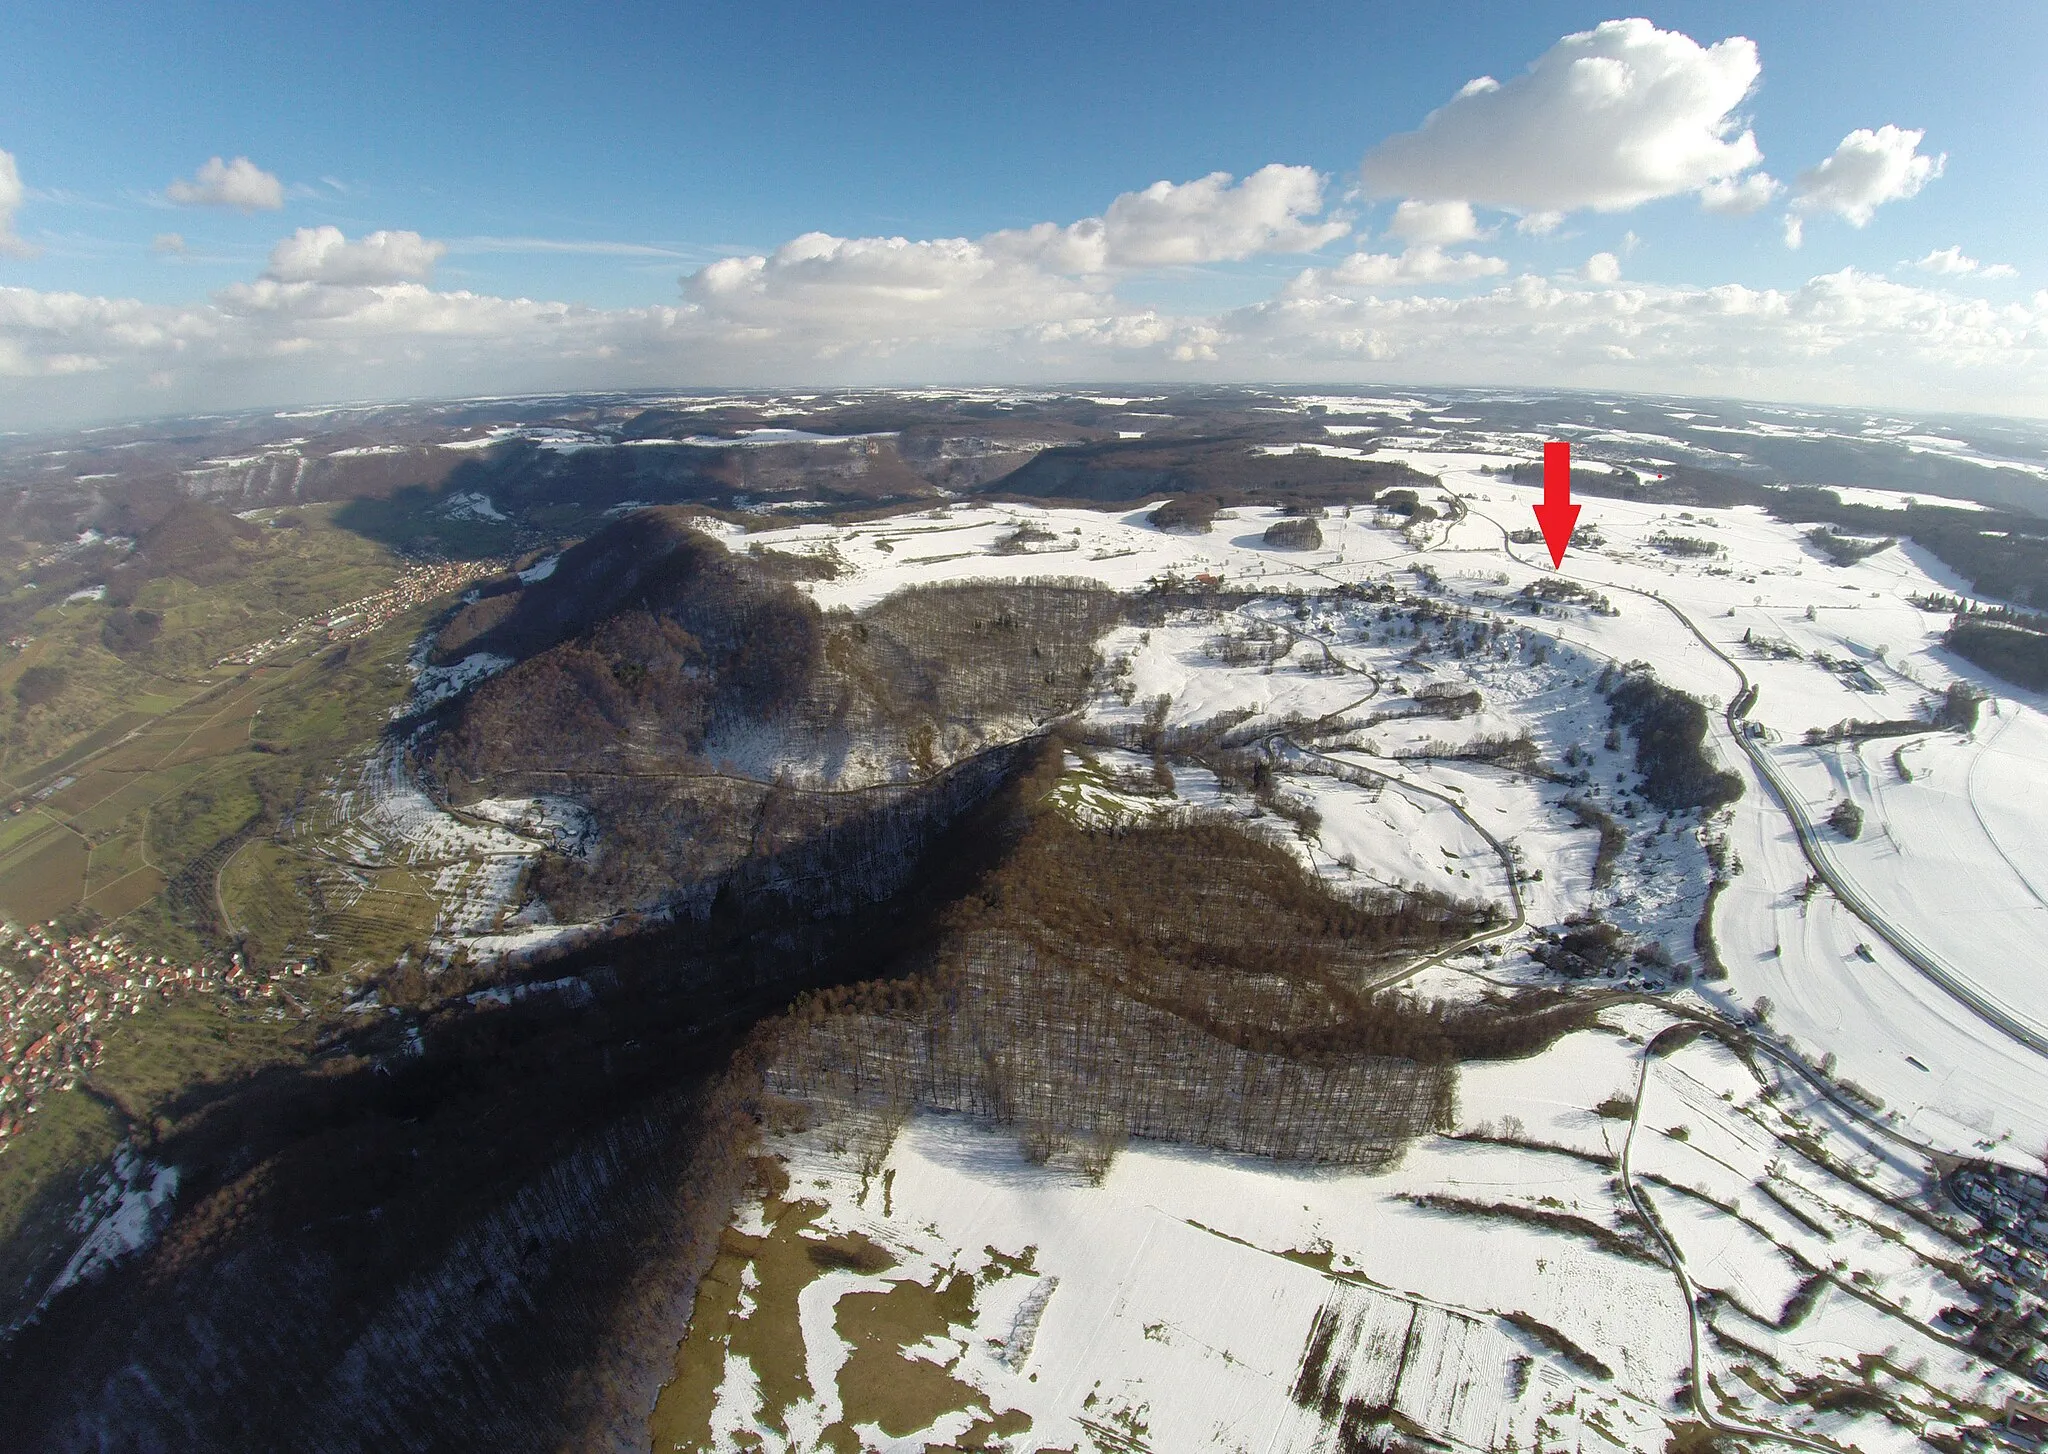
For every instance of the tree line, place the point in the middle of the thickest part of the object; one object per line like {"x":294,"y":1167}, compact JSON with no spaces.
{"x":1185,"y":981}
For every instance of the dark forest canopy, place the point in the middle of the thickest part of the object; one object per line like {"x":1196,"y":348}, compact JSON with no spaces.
{"x":2012,"y":652}
{"x":652,"y":646}
{"x":1670,"y":732}
{"x":1188,"y":981}
{"x":1223,"y":467}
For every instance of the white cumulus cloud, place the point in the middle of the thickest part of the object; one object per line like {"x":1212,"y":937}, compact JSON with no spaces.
{"x":1848,"y":336}
{"x":1211,"y":219}
{"x":1426,"y":223}
{"x":332,"y":315}
{"x":325,"y":255}
{"x":11,"y":244}
{"x":1214,"y":220}
{"x":1606,"y":119}
{"x":168,"y":243}
{"x":1408,"y":268}
{"x":1740,"y":196}
{"x":1953,"y":262}
{"x":239,"y":183}
{"x":868,"y":292}
{"x":1868,"y":169}
{"x":1948,"y":260}
{"x":879,"y":295}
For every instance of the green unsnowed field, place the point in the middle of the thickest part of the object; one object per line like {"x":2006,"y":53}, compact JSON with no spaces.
{"x":162,"y":800}
{"x":288,"y":573}
{"x":148,"y":769}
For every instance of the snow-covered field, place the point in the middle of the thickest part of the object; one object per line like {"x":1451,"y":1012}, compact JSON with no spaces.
{"x":1177,"y":1304}
{"x":1199,"y":1301}
{"x":1952,"y":853}
{"x":1922,"y":851}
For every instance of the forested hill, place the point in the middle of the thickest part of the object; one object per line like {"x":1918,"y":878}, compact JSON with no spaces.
{"x":645,"y":640}
{"x":652,"y":561}
{"x":702,"y":709}
{"x":1226,"y":466}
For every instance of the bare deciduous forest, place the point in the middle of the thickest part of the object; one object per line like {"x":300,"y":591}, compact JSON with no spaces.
{"x":659,"y":715}
{"x":1187,"y":982}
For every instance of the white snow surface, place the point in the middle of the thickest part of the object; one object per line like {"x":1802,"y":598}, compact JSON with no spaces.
{"x":1175,"y":1303}
{"x":470,"y":505}
{"x":119,"y":1219}
{"x":1865,"y":651}
{"x":1180,"y":1296}
{"x":1896,"y":499}
{"x":436,"y":684}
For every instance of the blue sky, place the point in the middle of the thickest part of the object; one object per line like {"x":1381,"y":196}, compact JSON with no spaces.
{"x":596,"y":158}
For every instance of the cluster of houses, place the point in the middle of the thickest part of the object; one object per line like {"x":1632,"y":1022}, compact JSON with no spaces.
{"x":60,"y":993}
{"x":420,"y":584}
{"x":2010,"y":1321}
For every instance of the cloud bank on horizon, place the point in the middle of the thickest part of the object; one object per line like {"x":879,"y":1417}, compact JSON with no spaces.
{"x":1606,"y":121}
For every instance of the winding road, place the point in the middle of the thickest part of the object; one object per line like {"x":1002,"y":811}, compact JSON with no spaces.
{"x":1676,"y":1258}
{"x":1916,"y":954}
{"x":1520,"y":917}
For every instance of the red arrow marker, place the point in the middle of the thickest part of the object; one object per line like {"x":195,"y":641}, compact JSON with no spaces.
{"x":1557,"y":514}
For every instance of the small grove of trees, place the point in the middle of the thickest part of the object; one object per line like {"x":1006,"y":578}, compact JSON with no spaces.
{"x":1845,"y":549}
{"x":1257,"y":643}
{"x":1957,"y":708}
{"x":1587,"y":945}
{"x":1406,"y":503}
{"x":1613,"y":837}
{"x":1300,"y":533}
{"x":1192,"y":513}
{"x":1447,"y":699}
{"x":1558,"y":590}
{"x":2013,"y":652}
{"x":127,"y":632}
{"x":1026,"y":538}
{"x":1704,"y":944}
{"x":1670,"y":732}
{"x":39,"y":686}
{"x":1846,"y":819}
{"x":1960,"y":606}
{"x":1516,"y":749}
{"x":1685,"y":546}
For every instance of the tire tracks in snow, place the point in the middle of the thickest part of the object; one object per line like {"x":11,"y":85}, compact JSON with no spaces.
{"x":1970,"y":792}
